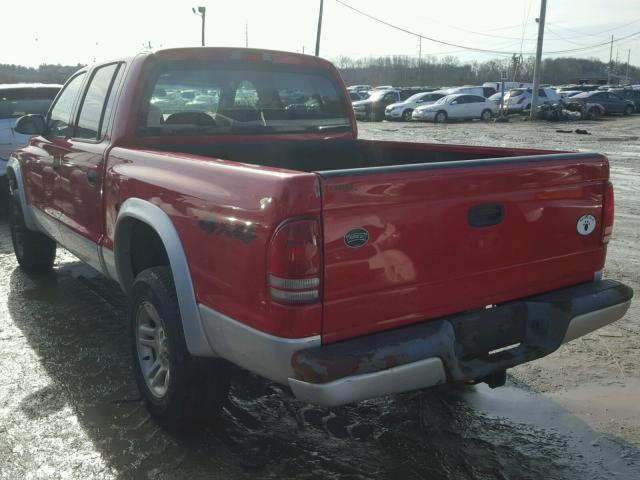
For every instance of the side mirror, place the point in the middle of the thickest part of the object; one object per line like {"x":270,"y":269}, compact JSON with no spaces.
{"x":455,"y":102}
{"x":30,"y":125}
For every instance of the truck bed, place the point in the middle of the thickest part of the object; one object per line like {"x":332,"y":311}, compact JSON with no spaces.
{"x":448,"y":228}
{"x":312,"y":156}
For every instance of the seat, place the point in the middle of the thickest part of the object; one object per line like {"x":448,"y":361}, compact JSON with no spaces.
{"x":154,"y":117}
{"x":200,"y":119}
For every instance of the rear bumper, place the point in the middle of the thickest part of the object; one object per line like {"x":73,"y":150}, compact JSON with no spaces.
{"x":462,"y":347}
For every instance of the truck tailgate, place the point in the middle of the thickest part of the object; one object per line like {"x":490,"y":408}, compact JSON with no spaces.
{"x":407,"y":243}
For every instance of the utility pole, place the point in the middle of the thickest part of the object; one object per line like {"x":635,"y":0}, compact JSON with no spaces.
{"x":610,"y":64}
{"x":319,"y":29}
{"x":201,"y":12}
{"x":537,"y":68}
{"x":628,"y":58}
{"x":246,"y":33}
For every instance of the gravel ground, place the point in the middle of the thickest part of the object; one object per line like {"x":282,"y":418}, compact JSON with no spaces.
{"x":69,"y":407}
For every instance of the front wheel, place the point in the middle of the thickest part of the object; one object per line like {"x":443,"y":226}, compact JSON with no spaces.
{"x":485,"y":116}
{"x":178,"y":389}
{"x":441,"y":117}
{"x":406,"y":115}
{"x":34,"y":251}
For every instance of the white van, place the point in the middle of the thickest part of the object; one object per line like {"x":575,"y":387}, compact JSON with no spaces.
{"x":482,"y":91}
{"x":507,"y":85}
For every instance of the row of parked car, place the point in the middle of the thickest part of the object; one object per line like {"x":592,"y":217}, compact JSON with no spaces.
{"x":483,"y":102}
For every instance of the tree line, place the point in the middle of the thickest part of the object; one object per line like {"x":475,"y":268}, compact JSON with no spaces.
{"x":403,"y":71}
{"x":409,"y":71}
{"x":42,"y":74}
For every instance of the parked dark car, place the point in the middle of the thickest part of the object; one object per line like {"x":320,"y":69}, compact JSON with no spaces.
{"x":628,"y":94}
{"x":611,"y":102}
{"x":373,"y":108}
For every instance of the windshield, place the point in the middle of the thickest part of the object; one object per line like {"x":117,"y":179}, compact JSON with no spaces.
{"x":443,"y":100}
{"x":377,"y":95}
{"x":15,"y":103}
{"x":516,"y":92}
{"x":416,"y":97}
{"x":219,"y":98}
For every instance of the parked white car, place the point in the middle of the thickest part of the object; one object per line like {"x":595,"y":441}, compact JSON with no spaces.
{"x":16,"y":100}
{"x":519,"y":99}
{"x":404,"y":110}
{"x":458,"y":107}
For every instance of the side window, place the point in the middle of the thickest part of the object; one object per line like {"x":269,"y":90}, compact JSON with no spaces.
{"x":60,"y":116}
{"x":390,"y":97}
{"x":94,"y":103}
{"x":462,"y":99}
{"x":542,"y":93}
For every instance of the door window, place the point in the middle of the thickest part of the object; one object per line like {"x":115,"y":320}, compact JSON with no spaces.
{"x":60,"y":116}
{"x":94,"y":104}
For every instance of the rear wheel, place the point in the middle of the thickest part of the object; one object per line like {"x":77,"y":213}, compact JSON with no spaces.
{"x":178,"y":389}
{"x":486,"y":115}
{"x":628,"y":110}
{"x":406,"y":115}
{"x":34,"y":251}
{"x":441,"y":117}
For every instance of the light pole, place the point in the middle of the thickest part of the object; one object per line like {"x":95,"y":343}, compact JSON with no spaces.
{"x":538,"y":66}
{"x":201,"y":12}
{"x":319,"y":29}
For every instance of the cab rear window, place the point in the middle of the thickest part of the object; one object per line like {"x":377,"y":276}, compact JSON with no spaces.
{"x":222,"y":98}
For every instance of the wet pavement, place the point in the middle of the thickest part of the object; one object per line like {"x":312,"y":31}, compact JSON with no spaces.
{"x":69,"y":407}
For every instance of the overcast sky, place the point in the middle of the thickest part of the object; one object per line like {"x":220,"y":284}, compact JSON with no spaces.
{"x":79,"y":31}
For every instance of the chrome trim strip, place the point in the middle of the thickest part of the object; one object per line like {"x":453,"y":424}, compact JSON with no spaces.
{"x":254,"y":350}
{"x":587,"y":323}
{"x":156,"y":218}
{"x":412,"y":376}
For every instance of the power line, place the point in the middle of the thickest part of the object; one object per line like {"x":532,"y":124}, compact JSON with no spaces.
{"x":465,"y":47}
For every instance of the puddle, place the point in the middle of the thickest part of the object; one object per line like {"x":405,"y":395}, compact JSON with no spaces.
{"x":576,"y":414}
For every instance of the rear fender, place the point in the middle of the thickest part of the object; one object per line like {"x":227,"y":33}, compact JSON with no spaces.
{"x":159,"y":221}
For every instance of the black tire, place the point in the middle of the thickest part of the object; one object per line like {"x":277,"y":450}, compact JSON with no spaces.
{"x":594,"y":114}
{"x":34,"y":251}
{"x":406,"y":115}
{"x":486,"y":115}
{"x":441,"y":117}
{"x":629,"y":110}
{"x":195,"y":388}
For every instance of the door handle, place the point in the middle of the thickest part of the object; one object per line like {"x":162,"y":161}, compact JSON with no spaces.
{"x":485,"y":215}
{"x":92,"y":177}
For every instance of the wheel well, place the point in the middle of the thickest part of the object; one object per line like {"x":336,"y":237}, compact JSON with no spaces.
{"x":138,"y":247}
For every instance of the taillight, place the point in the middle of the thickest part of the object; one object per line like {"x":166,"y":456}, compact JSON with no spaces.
{"x":295,"y":263}
{"x":608,"y":212}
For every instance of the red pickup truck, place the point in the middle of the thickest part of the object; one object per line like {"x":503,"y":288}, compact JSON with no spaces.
{"x":228,"y":194}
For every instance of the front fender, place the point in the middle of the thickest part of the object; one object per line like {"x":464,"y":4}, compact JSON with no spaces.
{"x":14,"y":172}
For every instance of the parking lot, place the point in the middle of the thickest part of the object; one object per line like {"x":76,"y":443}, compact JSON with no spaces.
{"x":69,"y":407}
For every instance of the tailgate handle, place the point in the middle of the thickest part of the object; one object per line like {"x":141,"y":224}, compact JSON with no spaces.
{"x":485,"y":215}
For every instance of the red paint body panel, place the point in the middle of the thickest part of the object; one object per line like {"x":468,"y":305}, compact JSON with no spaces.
{"x":423,"y":260}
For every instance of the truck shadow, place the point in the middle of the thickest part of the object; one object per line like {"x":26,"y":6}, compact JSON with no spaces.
{"x":75,"y":321}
